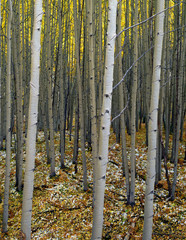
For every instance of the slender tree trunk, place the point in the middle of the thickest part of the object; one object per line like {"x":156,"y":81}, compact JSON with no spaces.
{"x":80,"y":95}
{"x":125,"y":167}
{"x":102,"y":159}
{"x":8,"y":117}
{"x":76,"y":137}
{"x":167,"y":80}
{"x":50,"y":95}
{"x":61,"y":83}
{"x":94,"y":139}
{"x":148,"y":33}
{"x":32,"y":123}
{"x":1,"y":136}
{"x":153,"y":124}
{"x":178,"y":100}
{"x":100,"y":96}
{"x":133,"y":111}
{"x":19,"y":114}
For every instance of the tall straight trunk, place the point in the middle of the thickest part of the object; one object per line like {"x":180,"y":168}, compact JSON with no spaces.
{"x":3,"y":85}
{"x":18,"y":87}
{"x":1,"y":136}
{"x":76,"y":137}
{"x":180,"y":61}
{"x":153,"y":124}
{"x":19,"y":110}
{"x":32,"y":123}
{"x":159,"y":134}
{"x":94,"y":139}
{"x":125,"y":167}
{"x":148,"y":65}
{"x":50,"y":95}
{"x":43,"y":97}
{"x":102,"y":159}
{"x":23,"y":46}
{"x":8,"y":117}
{"x":176,"y":64}
{"x":167,"y":79}
{"x":80,"y":95}
{"x":61,"y":83}
{"x":100,"y":96}
{"x":133,"y":111}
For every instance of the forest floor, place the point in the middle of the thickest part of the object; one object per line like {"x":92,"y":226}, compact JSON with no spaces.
{"x":62,"y":210}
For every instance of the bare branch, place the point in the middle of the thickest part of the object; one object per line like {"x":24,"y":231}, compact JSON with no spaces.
{"x":135,"y":25}
{"x":131,"y":68}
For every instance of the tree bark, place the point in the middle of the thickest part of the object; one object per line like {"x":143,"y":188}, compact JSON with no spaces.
{"x":80,"y":95}
{"x":32,"y":123}
{"x":102,"y":159}
{"x":125,"y":167}
{"x":50,"y":95}
{"x":133,"y":110}
{"x":1,"y":136}
{"x":153,"y":124}
{"x":94,"y":135}
{"x":8,"y":117}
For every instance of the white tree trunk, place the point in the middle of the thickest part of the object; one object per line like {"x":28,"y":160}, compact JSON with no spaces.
{"x":8,"y":116}
{"x":153,"y":126}
{"x":32,"y":123}
{"x":102,"y":159}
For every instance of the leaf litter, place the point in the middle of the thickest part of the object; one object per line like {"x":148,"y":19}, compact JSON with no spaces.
{"x":62,"y":210}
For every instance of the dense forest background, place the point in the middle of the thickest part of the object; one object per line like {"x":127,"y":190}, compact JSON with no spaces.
{"x":92,"y":110}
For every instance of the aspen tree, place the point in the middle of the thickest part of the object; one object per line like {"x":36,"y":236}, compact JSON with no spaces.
{"x":8,"y":124}
{"x":100,"y":97}
{"x":50,"y":95}
{"x":133,"y":110}
{"x":126,"y":66}
{"x":1,"y":137}
{"x":125,"y":167}
{"x":180,"y":55}
{"x":102,"y":159}
{"x":32,"y":123}
{"x":80,"y":94}
{"x":148,"y":61}
{"x":153,"y":126}
{"x":167,"y":79}
{"x":18,"y":83}
{"x":183,"y":73}
{"x":176,"y":78}
{"x":94,"y":139}
{"x":61,"y":83}
{"x":3,"y":76}
{"x":20,"y":124}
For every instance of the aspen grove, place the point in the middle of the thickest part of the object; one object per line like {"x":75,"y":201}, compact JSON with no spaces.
{"x":92,"y":119}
